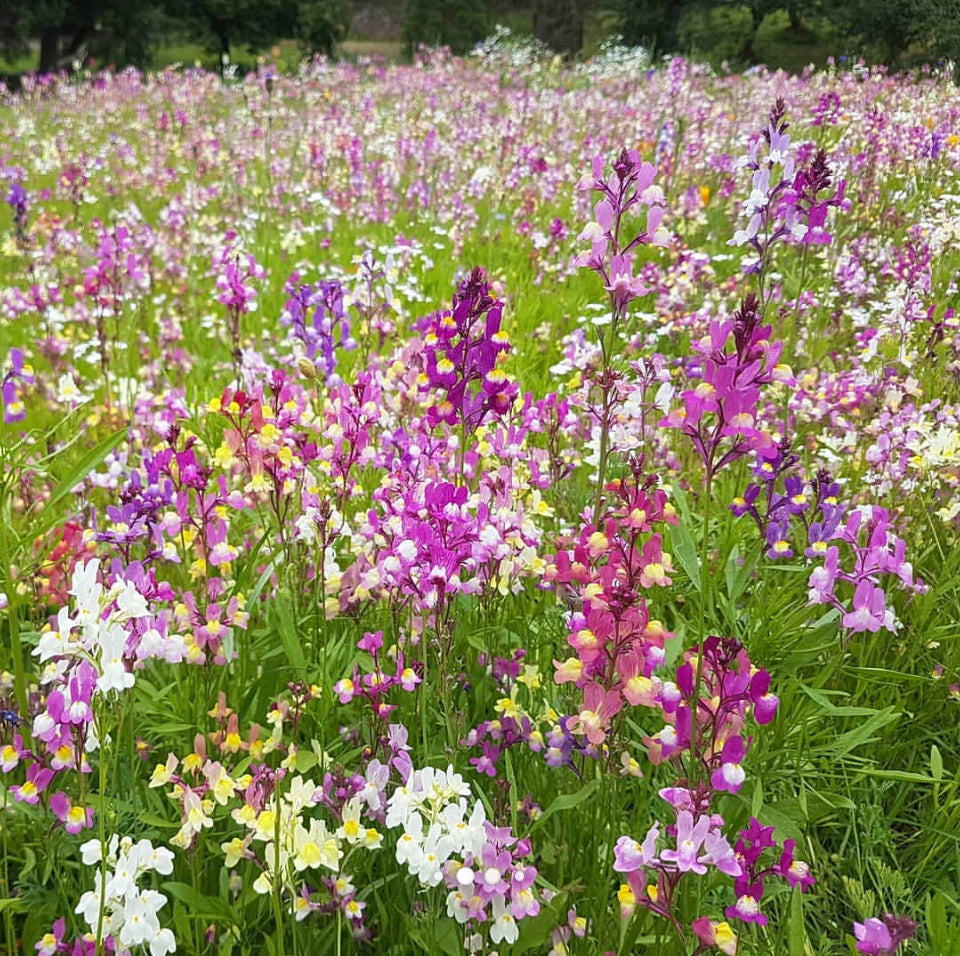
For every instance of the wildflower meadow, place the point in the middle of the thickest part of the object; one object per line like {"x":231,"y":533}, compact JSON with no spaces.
{"x":480,"y":506}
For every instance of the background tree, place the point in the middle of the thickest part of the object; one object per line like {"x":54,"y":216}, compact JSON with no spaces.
{"x":653,"y":23}
{"x":458,"y":24}
{"x":117,"y":30}
{"x":885,"y":27}
{"x":559,"y":24}
{"x":218,"y":24}
{"x":256,"y":24}
{"x":759,"y":10}
{"x":322,"y":24}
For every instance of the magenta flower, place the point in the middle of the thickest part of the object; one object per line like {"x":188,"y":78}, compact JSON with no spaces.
{"x":719,"y":415}
{"x":464,"y":346}
{"x":74,"y":818}
{"x":690,"y":837}
{"x":729,"y":775}
{"x":598,"y":707}
{"x":795,"y":872}
{"x":747,"y":907}
{"x":873,"y":937}
{"x":630,"y":856}
{"x":882,"y":937}
{"x":869,"y":609}
{"x":38,"y":779}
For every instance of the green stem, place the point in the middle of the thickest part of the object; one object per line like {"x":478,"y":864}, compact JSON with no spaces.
{"x":796,"y":311}
{"x":8,"y":929}
{"x":13,"y":613}
{"x":277,"y":876}
{"x":195,"y":883}
{"x":321,"y":604}
{"x":102,"y":814}
{"x":602,"y":463}
{"x":694,"y":770}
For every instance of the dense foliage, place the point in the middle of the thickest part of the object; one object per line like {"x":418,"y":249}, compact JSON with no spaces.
{"x":480,"y":506}
{"x":123,"y":32}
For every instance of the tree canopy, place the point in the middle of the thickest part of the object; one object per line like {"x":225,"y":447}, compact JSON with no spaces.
{"x":125,"y":31}
{"x":898,"y":32}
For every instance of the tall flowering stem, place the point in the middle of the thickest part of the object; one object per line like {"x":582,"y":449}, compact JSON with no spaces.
{"x":720,"y":414}
{"x":709,"y":721}
{"x":605,"y":574}
{"x":785,"y":204}
{"x":611,"y":257}
{"x":18,"y":200}
{"x":236,"y":271}
{"x":464,"y":347}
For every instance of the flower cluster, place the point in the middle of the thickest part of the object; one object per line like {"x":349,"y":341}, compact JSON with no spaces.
{"x":15,"y":375}
{"x":282,"y":837}
{"x":446,"y":840}
{"x":319,"y":323}
{"x":756,"y":866}
{"x":610,"y":255}
{"x":785,"y":204}
{"x":374,"y":686}
{"x":118,"y":906}
{"x":873,"y":550}
{"x":697,"y":844}
{"x":19,"y":202}
{"x":463,"y":346}
{"x":774,"y":512}
{"x":720,"y":414}
{"x":91,"y":653}
{"x":830,"y":530}
{"x":437,"y":540}
{"x":437,"y":821}
{"x":729,"y":689}
{"x":118,"y":271}
{"x":618,"y":647}
{"x":236,"y":272}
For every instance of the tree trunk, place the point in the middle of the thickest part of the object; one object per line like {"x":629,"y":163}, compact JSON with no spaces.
{"x":747,"y":52}
{"x":49,"y":50}
{"x":559,"y":24}
{"x":655,"y":25}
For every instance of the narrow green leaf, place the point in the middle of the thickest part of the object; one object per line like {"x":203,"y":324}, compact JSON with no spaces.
{"x":936,"y":763}
{"x":683,"y":547}
{"x":287,"y":629}
{"x":567,"y":801}
{"x":49,"y":516}
{"x":905,"y":776}
{"x":937,"y":922}
{"x":797,"y":937}
{"x":272,"y":566}
{"x":861,"y":735}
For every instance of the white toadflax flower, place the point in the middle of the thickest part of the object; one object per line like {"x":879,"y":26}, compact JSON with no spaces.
{"x":129,"y":911}
{"x":437,"y":820}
